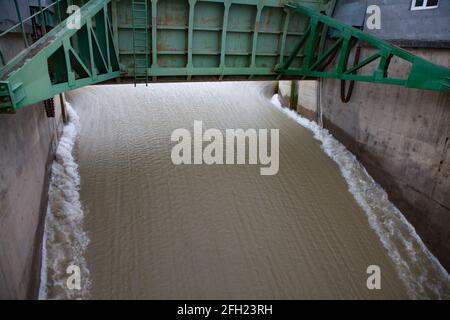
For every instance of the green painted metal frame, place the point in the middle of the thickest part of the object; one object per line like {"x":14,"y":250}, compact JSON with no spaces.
{"x":76,"y":57}
{"x":182,"y":33}
{"x":423,"y":74}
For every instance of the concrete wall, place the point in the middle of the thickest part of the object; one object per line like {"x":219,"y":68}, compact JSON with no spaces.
{"x":401,"y":25}
{"x":402,"y":136}
{"x":307,"y":97}
{"x":11,"y":45}
{"x":8,"y":14}
{"x":27,"y":143}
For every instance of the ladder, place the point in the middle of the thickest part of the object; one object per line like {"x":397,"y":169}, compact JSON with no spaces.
{"x":139,"y":12}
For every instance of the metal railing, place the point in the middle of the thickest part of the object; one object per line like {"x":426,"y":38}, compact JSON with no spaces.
{"x":40,"y":13}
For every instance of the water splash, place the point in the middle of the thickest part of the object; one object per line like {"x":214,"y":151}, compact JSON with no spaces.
{"x":422,"y":274}
{"x":65,"y":241}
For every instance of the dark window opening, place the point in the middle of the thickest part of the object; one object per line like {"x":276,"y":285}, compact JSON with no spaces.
{"x":424,"y":4}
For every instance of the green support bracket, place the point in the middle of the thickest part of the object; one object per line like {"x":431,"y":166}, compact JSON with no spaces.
{"x":423,"y":74}
{"x":64,"y":59}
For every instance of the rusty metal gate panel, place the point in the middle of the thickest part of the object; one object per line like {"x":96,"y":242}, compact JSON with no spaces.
{"x":211,"y":39}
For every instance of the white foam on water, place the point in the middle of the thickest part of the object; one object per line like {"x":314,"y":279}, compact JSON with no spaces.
{"x":43,"y":280}
{"x":420,"y":271}
{"x":65,"y":241}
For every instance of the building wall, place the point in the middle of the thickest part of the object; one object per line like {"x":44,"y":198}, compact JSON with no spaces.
{"x":27,"y":144}
{"x":8,"y":12}
{"x":399,"y":24}
{"x":11,"y":45}
{"x":424,"y":28}
{"x":402,"y":136}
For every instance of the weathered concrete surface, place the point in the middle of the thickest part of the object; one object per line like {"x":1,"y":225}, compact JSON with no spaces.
{"x":402,"y":138}
{"x":11,"y":44}
{"x":402,"y":26}
{"x":27,"y":142}
{"x":307,"y":97}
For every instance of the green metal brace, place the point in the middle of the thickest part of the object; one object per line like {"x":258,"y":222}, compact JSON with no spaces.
{"x":423,"y":74}
{"x":62,"y":60}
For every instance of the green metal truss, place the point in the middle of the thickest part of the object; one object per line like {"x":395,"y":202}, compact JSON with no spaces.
{"x":62,"y":60}
{"x":422,"y":75}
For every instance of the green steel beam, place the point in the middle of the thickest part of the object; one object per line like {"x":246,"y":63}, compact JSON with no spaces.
{"x":189,"y":64}
{"x":226,"y":11}
{"x":62,"y":60}
{"x":423,"y":74}
{"x":154,"y":36}
{"x":257,"y":23}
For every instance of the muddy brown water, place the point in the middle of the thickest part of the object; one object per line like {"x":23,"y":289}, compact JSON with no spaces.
{"x":158,"y":230}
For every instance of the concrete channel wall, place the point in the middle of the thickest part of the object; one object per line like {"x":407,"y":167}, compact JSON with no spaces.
{"x":28,"y":140}
{"x":307,"y":97}
{"x":402,"y":136}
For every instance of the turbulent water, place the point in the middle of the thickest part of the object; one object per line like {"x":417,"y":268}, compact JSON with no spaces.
{"x":65,"y":241}
{"x":159,"y":230}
